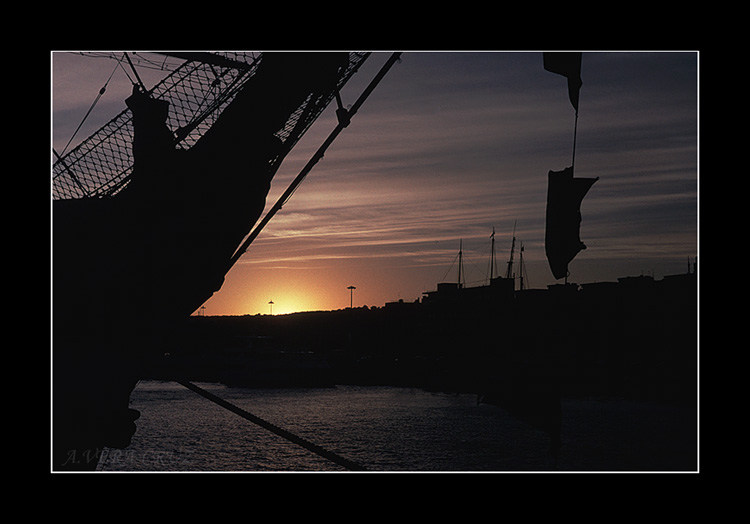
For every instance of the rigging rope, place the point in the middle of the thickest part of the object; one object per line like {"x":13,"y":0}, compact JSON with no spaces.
{"x":103,"y":162}
{"x":344,"y":119}
{"x":96,"y":100}
{"x":341,"y":461}
{"x":449,"y":269}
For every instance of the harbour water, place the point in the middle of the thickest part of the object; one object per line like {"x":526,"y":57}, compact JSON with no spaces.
{"x":389,"y":429}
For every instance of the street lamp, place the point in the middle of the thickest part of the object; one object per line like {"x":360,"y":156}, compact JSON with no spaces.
{"x":351,"y":296}
{"x":271,"y":303}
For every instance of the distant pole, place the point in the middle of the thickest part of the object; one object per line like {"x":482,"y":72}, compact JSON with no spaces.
{"x":203,"y":311}
{"x":351,"y":296}
{"x":271,"y":304}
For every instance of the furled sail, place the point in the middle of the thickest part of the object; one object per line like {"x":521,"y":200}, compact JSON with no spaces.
{"x":569,"y":66}
{"x":562,"y":240}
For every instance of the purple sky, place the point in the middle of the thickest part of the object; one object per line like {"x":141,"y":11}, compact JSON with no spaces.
{"x":447,"y":147}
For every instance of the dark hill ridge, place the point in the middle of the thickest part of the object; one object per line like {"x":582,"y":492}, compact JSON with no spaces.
{"x":636,"y":337}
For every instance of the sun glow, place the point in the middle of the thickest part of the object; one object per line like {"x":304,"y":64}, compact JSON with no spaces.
{"x":289,"y":303}
{"x":249,"y":290}
{"x":281,"y":300}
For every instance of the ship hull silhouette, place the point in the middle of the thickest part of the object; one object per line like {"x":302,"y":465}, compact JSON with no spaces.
{"x":131,"y":265}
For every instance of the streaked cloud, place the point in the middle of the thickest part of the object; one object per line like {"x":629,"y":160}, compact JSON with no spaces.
{"x":451,"y":145}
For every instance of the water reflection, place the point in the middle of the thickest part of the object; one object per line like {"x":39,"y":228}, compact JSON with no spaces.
{"x":394,"y":429}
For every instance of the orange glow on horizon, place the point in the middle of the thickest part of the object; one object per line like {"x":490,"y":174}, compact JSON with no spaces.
{"x":248,"y":289}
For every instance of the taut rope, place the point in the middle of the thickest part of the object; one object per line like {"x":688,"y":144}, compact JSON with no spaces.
{"x":341,"y":461}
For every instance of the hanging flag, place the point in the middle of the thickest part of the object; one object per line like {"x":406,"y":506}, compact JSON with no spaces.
{"x":562,"y":240}
{"x":569,"y":66}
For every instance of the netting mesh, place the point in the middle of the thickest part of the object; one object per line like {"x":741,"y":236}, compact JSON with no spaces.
{"x":197,"y":92}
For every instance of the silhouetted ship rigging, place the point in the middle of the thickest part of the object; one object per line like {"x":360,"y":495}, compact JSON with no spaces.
{"x":498,"y":288}
{"x":151,"y":212}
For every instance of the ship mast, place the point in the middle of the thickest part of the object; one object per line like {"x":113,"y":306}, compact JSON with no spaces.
{"x":460,"y":261}
{"x":509,"y":271}
{"x":492,"y":256}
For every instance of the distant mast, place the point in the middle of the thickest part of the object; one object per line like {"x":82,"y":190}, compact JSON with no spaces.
{"x":493,"y":261}
{"x":460,"y":261}
{"x":509,"y":271}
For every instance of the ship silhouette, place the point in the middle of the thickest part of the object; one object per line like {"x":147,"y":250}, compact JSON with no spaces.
{"x":151,"y":211}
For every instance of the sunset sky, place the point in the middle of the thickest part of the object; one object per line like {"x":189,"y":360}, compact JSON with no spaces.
{"x":447,"y":147}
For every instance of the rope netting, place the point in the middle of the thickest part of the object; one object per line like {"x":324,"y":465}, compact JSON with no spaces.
{"x":197,"y":92}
